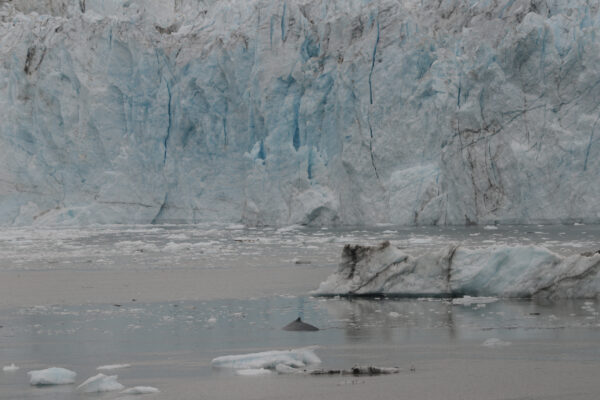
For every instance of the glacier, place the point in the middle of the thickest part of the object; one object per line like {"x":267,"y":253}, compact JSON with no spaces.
{"x":455,"y":270}
{"x":316,"y":112}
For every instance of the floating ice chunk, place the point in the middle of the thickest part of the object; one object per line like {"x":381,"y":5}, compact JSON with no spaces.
{"x":495,"y":342}
{"x":100,"y":383}
{"x":394,"y":314}
{"x":495,"y":271}
{"x":296,"y":358}
{"x":253,"y":372}
{"x":141,"y":390}
{"x":112,"y":366}
{"x":285,"y":369}
{"x":51,"y":376}
{"x":468,"y":300}
{"x":10,"y":368}
{"x":490,"y":227}
{"x":211,"y":321}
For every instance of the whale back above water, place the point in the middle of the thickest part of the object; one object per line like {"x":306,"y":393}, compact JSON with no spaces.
{"x":299,"y":326}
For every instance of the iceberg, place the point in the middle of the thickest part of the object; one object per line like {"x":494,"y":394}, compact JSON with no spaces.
{"x":454,"y":271}
{"x":140,"y":390}
{"x":51,"y":376}
{"x":295,"y":358}
{"x":113,"y":366}
{"x":288,"y":112}
{"x":10,"y":368}
{"x":100,"y":383}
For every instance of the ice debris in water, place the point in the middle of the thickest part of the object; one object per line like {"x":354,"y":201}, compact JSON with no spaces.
{"x":496,"y":271}
{"x":254,"y":372}
{"x":112,"y":366}
{"x":494,"y":343}
{"x":469,"y":300}
{"x":51,"y":376}
{"x":141,"y":390}
{"x":10,"y":368}
{"x":295,"y":358}
{"x":100,"y":383}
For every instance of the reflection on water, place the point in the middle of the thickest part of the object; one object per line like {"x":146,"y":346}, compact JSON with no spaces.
{"x":180,"y":339}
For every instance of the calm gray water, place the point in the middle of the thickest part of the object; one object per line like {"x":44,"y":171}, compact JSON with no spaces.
{"x":543,"y":350}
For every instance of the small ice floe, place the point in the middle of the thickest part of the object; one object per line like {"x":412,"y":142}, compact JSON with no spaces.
{"x":211,"y":321}
{"x":52,"y":376}
{"x":141,"y":390}
{"x":113,"y":366}
{"x":468,"y":300}
{"x":296,"y":358}
{"x":394,"y":314}
{"x":490,"y":227}
{"x":253,"y":372}
{"x":100,"y":383}
{"x":10,"y":368}
{"x":494,"y":343}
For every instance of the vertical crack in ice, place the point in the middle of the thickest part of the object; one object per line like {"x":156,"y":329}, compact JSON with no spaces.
{"x":373,"y":64}
{"x":283,"y":22}
{"x":82,"y":5}
{"x":589,"y":146}
{"x":161,"y":211}
{"x":371,"y":101}
{"x":166,"y":140}
{"x":371,"y":147}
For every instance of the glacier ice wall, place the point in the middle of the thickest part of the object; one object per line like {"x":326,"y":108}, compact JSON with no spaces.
{"x":299,"y":111}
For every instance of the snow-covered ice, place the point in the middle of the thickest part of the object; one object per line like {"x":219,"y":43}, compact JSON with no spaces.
{"x":469,"y":300}
{"x":140,"y":390}
{"x":253,"y":372}
{"x":296,"y":358}
{"x":51,"y":376}
{"x":100,"y":383}
{"x":494,"y":271}
{"x":113,"y":366}
{"x":10,"y":368}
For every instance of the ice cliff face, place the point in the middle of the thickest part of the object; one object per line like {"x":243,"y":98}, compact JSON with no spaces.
{"x":503,"y":271}
{"x":316,"y":112}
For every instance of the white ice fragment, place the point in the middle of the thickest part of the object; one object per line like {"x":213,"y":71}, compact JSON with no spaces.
{"x":253,"y":372}
{"x":394,"y":314}
{"x":212,"y":320}
{"x":141,"y":390}
{"x":112,"y":366}
{"x":468,"y":300}
{"x":296,"y":358}
{"x":285,"y":369}
{"x":494,"y":343}
{"x":490,"y":227}
{"x":100,"y":383}
{"x":10,"y":368}
{"x":51,"y":376}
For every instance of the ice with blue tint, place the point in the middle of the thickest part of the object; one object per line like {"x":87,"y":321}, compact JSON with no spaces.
{"x":51,"y":376}
{"x":497,"y":271}
{"x":100,"y":383}
{"x":299,"y":111}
